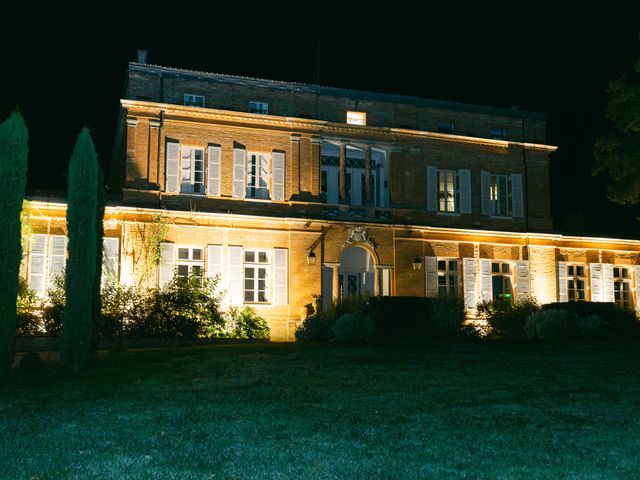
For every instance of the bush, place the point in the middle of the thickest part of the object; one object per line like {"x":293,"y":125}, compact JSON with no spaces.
{"x":401,"y":319}
{"x":551,"y":325}
{"x":622,"y":323}
{"x":447,"y":318}
{"x":354,"y":328}
{"x":507,"y":320}
{"x":319,"y":326}
{"x":242,"y":323}
{"x":28,"y":321}
{"x":31,"y":361}
{"x":53,"y":307}
{"x":593,"y":327}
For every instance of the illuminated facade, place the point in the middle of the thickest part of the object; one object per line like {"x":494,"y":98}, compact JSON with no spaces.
{"x":286,"y":191}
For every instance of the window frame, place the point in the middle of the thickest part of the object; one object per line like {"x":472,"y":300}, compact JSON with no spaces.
{"x":259,"y":108}
{"x":445,"y":128}
{"x":189,"y":262}
{"x":494,"y":191}
{"x":255,"y":266}
{"x":509,"y":275}
{"x":194,"y":100}
{"x":443,"y":194}
{"x":621,"y":280}
{"x":451,"y":289}
{"x":573,"y":294}
{"x":192,"y":171}
{"x":249,"y":174}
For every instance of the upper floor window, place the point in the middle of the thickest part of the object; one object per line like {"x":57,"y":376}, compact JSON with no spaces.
{"x":192,"y":170}
{"x":447,"y":191}
{"x":257,"y":176}
{"x":445,"y":127}
{"x":622,"y":286}
{"x":576,"y":283}
{"x":259,"y":107}
{"x":190,"y":262}
{"x":256,"y":276}
{"x":500,"y":195}
{"x":193,"y":100}
{"x":357,"y":118}
{"x":498,"y":134}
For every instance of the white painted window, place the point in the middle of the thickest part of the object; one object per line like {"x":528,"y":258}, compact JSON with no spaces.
{"x":257,"y":176}
{"x":501,"y":281}
{"x":110,"y":259}
{"x":189,"y":261}
{"x":576,"y":282}
{"x":448,"y":277}
{"x":256,"y":276}
{"x":622,"y":286}
{"x":357,"y":118}
{"x":259,"y":107}
{"x":192,"y":170}
{"x":448,"y":191}
{"x":47,"y":261}
{"x":500,"y":195}
{"x":192,"y":100}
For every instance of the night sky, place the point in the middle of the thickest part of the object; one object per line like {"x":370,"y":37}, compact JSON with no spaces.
{"x":64,"y":68}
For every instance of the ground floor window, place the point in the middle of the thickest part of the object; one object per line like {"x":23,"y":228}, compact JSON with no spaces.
{"x":448,"y":278}
{"x":501,"y":282}
{"x":256,"y":276}
{"x":576,"y":283}
{"x":622,"y":286}
{"x":190,"y":262}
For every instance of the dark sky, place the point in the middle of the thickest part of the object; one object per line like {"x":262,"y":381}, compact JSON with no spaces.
{"x":63,"y":65}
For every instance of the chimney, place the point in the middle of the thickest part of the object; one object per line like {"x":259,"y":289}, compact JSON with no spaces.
{"x":142,"y":56}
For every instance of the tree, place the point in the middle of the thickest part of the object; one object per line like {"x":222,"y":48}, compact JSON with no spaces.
{"x":13,"y":178}
{"x":77,"y":322}
{"x":97,"y":281}
{"x":618,"y":153}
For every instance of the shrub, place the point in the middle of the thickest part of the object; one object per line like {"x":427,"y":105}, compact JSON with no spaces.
{"x":447,"y":318}
{"x":319,"y":326}
{"x":53,"y":307}
{"x":593,"y":327}
{"x":31,"y":361}
{"x":622,"y":323}
{"x":551,"y":325}
{"x":354,"y":328}
{"x":244,"y":323}
{"x":507,"y":320}
{"x":28,"y":321}
{"x":401,"y":319}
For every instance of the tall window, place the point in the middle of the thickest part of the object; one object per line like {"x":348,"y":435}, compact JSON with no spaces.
{"x":190,"y":262}
{"x":193,"y":100}
{"x":622,"y":286}
{"x":259,"y":107}
{"x":448,"y":278}
{"x":257,"y":176}
{"x":192,"y":176}
{"x":256,"y":276}
{"x":501,"y":280}
{"x":447,"y":191}
{"x":324,"y":184}
{"x":500,"y":195}
{"x":576,"y":282}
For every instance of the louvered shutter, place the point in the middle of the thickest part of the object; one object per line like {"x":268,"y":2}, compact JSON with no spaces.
{"x":213,"y":174}
{"x":37,"y":246}
{"x":110,"y":258}
{"x":173,"y":164}
{"x":636,"y":271}
{"x":465,"y":190}
{"x":57,"y":257}
{"x":469,"y":282}
{"x":563,"y":292}
{"x":235,"y":275}
{"x":522,"y":279}
{"x":607,"y":283}
{"x":486,"y":288}
{"x":239,"y":172}
{"x":431,"y":276}
{"x":278,"y":176}
{"x":485,"y":199}
{"x":167,"y":263}
{"x":517,"y":209}
{"x":595,"y":277}
{"x":280,"y":276}
{"x":432,"y":189}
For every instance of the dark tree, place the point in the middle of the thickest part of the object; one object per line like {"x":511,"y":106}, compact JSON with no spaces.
{"x":97,"y":282}
{"x":618,"y":153}
{"x":13,"y":178}
{"x":77,"y":323}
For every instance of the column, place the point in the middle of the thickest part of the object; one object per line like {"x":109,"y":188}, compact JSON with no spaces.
{"x":154,"y":152}
{"x":376,"y":281}
{"x":335,"y":282}
{"x":368,"y":200}
{"x":295,"y":165}
{"x":396,"y":175}
{"x":342,"y":177}
{"x":315,"y":166}
{"x":130,"y":167}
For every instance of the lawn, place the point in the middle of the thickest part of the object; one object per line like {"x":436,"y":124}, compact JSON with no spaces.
{"x":316,"y":412}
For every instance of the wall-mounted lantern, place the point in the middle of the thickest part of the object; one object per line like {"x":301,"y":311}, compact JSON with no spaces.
{"x":417,"y":263}
{"x":311,"y":258}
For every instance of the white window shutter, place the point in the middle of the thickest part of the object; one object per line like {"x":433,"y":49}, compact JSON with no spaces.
{"x":607,"y":283}
{"x":636,"y":271}
{"x":385,"y":278}
{"x":239,"y":172}
{"x":167,"y":263}
{"x":57,"y":257}
{"x":563,"y":292}
{"x":235,"y":291}
{"x":215,"y":261}
{"x":110,"y":257}
{"x":469,"y":282}
{"x":431,"y":276}
{"x":280,"y":276}
{"x":213,"y":174}
{"x":522,"y":279}
{"x":486,"y":287}
{"x":595,"y":277}
{"x":37,"y":244}
{"x":277,"y":192}
{"x":517,"y":208}
{"x":485,"y":198}
{"x":172,"y":167}
{"x":432,"y":189}
{"x":465,"y":190}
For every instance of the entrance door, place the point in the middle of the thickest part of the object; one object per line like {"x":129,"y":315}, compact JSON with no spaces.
{"x":350,"y":284}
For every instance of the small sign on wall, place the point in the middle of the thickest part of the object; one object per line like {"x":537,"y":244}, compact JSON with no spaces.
{"x":357,"y":118}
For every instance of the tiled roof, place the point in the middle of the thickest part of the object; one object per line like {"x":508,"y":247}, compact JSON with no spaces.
{"x":335,"y":91}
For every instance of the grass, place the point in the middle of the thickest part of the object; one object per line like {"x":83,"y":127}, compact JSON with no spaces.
{"x":304,"y":412}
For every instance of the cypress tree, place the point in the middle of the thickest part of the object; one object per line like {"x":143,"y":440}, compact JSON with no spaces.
{"x":97,"y":282}
{"x":77,"y":322}
{"x":13,"y":178}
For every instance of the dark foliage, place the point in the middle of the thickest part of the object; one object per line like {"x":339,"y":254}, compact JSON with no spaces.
{"x":97,"y":280}
{"x":28,"y":320}
{"x":31,"y":361}
{"x":13,"y":177}
{"x":241,"y":323}
{"x":506,"y":319}
{"x":77,"y":332}
{"x":622,"y":323}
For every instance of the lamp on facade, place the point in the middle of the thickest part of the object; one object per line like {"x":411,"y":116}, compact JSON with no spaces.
{"x":417,"y":263}
{"x":311,"y":258}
